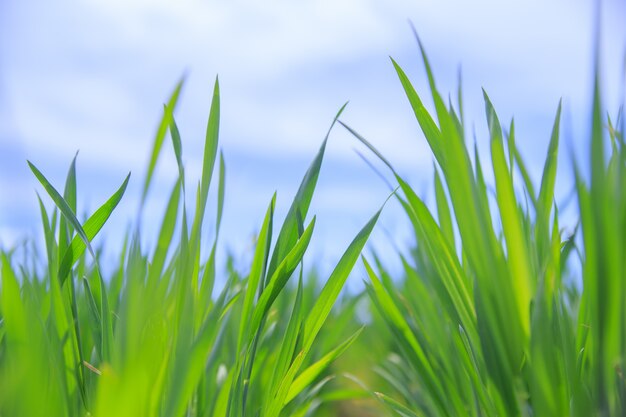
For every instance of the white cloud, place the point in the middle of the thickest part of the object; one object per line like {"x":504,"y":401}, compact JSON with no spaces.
{"x":91,"y":75}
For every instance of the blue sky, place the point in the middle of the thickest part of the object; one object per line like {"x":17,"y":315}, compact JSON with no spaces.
{"x":92,"y":75}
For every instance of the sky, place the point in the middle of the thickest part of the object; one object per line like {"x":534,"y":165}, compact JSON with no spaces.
{"x":92,"y":76}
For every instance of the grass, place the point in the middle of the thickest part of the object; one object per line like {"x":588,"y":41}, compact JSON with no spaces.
{"x":150,"y":339}
{"x":499,"y":312}
{"x":493,"y":317}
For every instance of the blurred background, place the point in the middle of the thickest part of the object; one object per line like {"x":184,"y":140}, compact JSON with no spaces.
{"x":93,"y":75}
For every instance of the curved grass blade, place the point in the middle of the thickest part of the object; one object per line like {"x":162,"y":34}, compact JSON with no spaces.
{"x":426,"y":122}
{"x":62,"y":205}
{"x":88,"y":231}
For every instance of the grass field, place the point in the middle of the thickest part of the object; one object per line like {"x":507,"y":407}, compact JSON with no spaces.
{"x":499,"y":311}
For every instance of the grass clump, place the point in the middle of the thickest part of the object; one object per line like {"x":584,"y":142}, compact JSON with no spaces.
{"x":493,"y":317}
{"x":151,"y":339}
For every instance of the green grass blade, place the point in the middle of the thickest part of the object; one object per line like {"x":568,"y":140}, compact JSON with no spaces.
{"x":69,"y":194}
{"x":280,"y":277}
{"x":443,"y":210}
{"x":62,"y":205}
{"x":220,"y":195}
{"x":257,"y":270}
{"x":166,"y":233}
{"x":368,"y":145}
{"x":166,"y":120}
{"x":51,"y":245}
{"x":178,"y":149}
{"x":396,"y":406}
{"x":321,"y":309}
{"x":308,"y":376}
{"x":288,"y":234}
{"x":516,"y":245}
{"x":548,"y":179}
{"x":89,"y":230}
{"x":208,"y":161}
{"x":429,"y":127}
{"x":288,"y":344}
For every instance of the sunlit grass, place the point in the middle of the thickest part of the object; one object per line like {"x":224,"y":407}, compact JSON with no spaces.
{"x":150,"y":339}
{"x":492,"y":317}
{"x":499,"y":311}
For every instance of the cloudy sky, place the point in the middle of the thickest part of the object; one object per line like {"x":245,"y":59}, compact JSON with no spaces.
{"x":92,"y":75}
